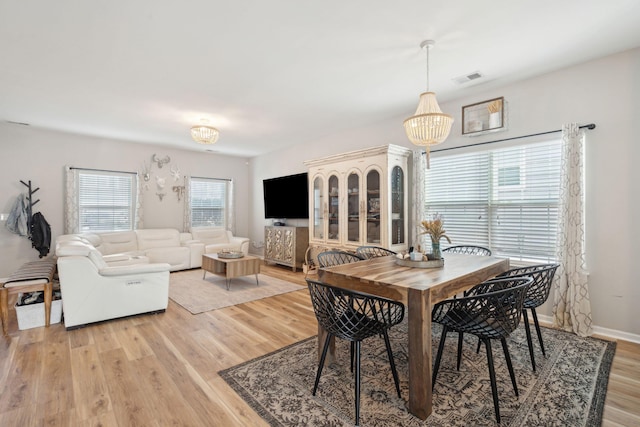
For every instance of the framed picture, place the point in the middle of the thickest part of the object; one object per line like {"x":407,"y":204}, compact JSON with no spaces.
{"x":483,"y":116}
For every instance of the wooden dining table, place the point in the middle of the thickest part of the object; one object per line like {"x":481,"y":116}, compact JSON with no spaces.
{"x":418,"y":289}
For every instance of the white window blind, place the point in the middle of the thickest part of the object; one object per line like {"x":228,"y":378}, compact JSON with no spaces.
{"x":504,"y":199}
{"x":106,"y":200}
{"x":209,"y":202}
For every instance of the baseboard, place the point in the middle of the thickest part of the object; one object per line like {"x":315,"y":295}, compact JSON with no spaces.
{"x":604,"y":332}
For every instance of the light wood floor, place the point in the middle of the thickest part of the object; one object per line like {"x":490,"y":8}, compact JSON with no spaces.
{"x":161,"y":370}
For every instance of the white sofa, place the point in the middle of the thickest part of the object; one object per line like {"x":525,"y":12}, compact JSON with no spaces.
{"x":93,"y":291}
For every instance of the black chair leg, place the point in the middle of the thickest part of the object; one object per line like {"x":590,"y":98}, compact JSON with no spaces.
{"x":357,"y":397}
{"x":460,"y":339}
{"x":535,"y":321}
{"x":492,"y":376}
{"x":438,"y":357}
{"x":479,"y":344}
{"x":527,"y":329}
{"x":392,"y":363}
{"x":321,"y":364}
{"x":351,"y":355}
{"x":507,"y":356}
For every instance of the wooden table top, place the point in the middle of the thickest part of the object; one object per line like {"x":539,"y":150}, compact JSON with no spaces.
{"x":382,"y":276}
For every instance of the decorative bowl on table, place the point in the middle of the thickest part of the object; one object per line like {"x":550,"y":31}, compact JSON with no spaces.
{"x":226,"y":254}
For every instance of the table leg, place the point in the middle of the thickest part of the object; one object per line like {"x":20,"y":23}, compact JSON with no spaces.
{"x":4,"y":297}
{"x":48,"y":296}
{"x":257,"y":282}
{"x":419,"y":313}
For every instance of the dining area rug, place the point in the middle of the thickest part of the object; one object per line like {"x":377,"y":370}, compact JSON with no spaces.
{"x":568,"y":388}
{"x":197,"y":294}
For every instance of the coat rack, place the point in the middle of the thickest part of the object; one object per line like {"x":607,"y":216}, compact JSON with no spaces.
{"x":30,"y":204}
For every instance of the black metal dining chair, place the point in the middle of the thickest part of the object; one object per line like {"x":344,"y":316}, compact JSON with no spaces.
{"x":468,"y":250}
{"x":368,"y":252}
{"x":537,"y":294}
{"x":336,"y":257}
{"x":490,"y":310}
{"x":353,"y":316}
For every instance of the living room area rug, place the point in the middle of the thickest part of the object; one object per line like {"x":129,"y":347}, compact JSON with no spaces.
{"x":191,"y":291}
{"x":567,"y":389}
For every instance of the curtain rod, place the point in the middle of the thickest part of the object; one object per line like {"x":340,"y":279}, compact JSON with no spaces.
{"x":217,"y":179}
{"x":102,"y":170}
{"x":590,"y":126}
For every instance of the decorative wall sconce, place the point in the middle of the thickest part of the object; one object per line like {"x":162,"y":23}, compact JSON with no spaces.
{"x":160,"y":162}
{"x":179,"y":190}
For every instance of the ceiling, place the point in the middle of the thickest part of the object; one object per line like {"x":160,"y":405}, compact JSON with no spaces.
{"x":271,"y":74}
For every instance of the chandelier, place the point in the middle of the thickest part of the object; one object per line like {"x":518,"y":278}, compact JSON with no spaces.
{"x":429,"y":126}
{"x":204,"y":134}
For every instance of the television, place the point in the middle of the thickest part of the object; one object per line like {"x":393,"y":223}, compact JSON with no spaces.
{"x":286,"y":197}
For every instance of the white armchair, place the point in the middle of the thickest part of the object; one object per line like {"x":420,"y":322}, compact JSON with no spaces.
{"x":217,"y":239}
{"x":93,"y":291}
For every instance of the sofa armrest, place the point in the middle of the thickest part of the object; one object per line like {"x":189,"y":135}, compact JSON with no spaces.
{"x":243,"y":242}
{"x":134,"y":269}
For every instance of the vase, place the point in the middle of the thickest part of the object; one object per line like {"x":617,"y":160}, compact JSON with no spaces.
{"x":435,"y":250}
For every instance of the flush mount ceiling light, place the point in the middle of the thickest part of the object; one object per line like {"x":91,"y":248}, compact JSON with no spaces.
{"x":429,"y":126}
{"x":204,"y":134}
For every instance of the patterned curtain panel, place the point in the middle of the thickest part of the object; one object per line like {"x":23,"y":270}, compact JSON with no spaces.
{"x":71,"y":201}
{"x":418,"y":209}
{"x":231,"y":208}
{"x":571,"y":305}
{"x":138,"y":222}
{"x":186,"y":217}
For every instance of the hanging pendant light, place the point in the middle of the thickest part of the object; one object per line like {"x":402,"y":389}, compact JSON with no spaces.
{"x":204,"y":134}
{"x":429,"y":126}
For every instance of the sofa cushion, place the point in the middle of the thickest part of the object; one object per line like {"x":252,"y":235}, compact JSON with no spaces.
{"x":210,"y":236}
{"x":118,"y":242}
{"x":178,"y":258}
{"x":73,"y":248}
{"x":158,"y":238}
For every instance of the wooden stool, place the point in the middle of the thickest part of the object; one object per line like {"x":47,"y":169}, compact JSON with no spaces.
{"x":32,"y":276}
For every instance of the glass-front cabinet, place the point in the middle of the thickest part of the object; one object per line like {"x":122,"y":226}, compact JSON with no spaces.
{"x":366,"y":202}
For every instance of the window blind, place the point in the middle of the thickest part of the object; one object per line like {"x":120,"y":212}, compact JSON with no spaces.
{"x":209,"y":202}
{"x":505,"y":199}
{"x":106,"y":200}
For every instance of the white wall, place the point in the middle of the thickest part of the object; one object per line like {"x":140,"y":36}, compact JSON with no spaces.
{"x":603,"y":92}
{"x":40,"y":156}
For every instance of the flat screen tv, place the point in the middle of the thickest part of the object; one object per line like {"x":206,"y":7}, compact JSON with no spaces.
{"x":286,"y":197}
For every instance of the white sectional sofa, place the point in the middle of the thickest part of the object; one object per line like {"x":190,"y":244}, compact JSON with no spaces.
{"x":109,"y":275}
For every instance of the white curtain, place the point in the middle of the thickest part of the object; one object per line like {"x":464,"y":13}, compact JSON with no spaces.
{"x":418,"y":191}
{"x":186,"y":217}
{"x":571,"y":305}
{"x":138,"y":222}
{"x":71,"y":222}
{"x":231,"y":209}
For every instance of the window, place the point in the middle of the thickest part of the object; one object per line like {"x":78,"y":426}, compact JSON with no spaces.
{"x":505,"y":199}
{"x":209,"y":202}
{"x":106,"y":200}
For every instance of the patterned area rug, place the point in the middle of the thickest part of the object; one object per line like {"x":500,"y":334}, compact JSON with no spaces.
{"x":567,"y":389}
{"x":198,"y":295}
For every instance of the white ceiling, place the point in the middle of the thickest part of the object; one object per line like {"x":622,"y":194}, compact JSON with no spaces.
{"x":274,"y":73}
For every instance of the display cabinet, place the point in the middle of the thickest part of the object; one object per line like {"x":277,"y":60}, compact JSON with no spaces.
{"x":359,"y":198}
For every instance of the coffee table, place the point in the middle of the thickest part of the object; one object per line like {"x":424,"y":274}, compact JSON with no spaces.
{"x":231,"y":267}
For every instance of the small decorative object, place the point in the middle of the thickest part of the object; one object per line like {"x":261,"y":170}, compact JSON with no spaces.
{"x":179,"y":190}
{"x":483,"y":116}
{"x":175,"y":173}
{"x":229,"y":254}
{"x":160,"y":182}
{"x":160,"y":195}
{"x":160,"y":162}
{"x":146,"y":171}
{"x":434,"y":228}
